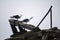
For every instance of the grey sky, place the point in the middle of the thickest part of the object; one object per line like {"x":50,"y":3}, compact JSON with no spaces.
{"x":28,"y":8}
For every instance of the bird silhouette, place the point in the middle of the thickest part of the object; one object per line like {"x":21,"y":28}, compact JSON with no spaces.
{"x":27,"y":20}
{"x":16,"y":16}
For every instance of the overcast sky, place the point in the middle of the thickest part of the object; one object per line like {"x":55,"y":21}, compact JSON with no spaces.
{"x":28,"y":8}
